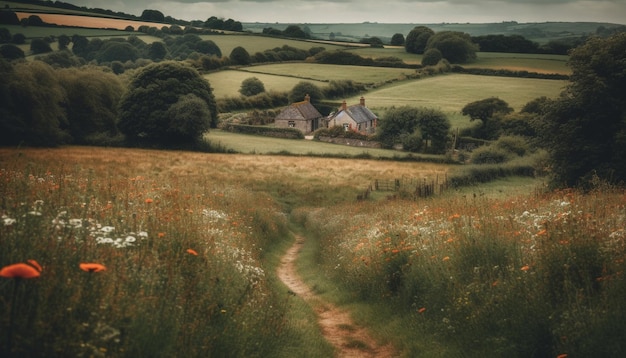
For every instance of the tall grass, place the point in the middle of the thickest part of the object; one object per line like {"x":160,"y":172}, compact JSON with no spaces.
{"x":529,"y":276}
{"x":184,"y":256}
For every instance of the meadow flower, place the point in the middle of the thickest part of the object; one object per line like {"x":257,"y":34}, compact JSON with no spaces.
{"x":91,"y":267}
{"x":525,"y":268}
{"x":149,"y":201}
{"x":192,"y":252}
{"x":7,"y":221}
{"x":421,"y":310}
{"x":19,"y":270}
{"x":35,"y":264}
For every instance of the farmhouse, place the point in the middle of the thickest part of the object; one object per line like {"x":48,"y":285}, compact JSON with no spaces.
{"x":300,"y":115}
{"x":356,"y":118}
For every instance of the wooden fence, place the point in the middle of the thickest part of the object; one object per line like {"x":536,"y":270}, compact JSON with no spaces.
{"x":418,"y":187}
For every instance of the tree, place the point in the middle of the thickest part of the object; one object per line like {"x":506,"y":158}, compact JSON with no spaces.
{"x":397,"y":40}
{"x":153,"y":15}
{"x":145,"y":109}
{"x":188,"y":119}
{"x":456,"y":47}
{"x":489,"y":111}
{"x":39,"y":46}
{"x":415,"y":128}
{"x":207,"y":47}
{"x":302,"y":89}
{"x":239,"y":56}
{"x":417,"y":39}
{"x":294,"y":31}
{"x":8,"y":17}
{"x":431,"y":57}
{"x":30,"y":105}
{"x":157,"y":51}
{"x":11,"y":52}
{"x":92,"y":99}
{"x":64,"y":41}
{"x":251,"y":87}
{"x":585,"y":128}
{"x":117,"y":51}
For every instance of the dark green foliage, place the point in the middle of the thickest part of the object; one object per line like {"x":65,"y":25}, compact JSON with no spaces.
{"x":251,"y":87}
{"x":92,"y":98}
{"x":64,"y":41}
{"x":294,"y":31}
{"x":18,"y":39}
{"x":417,"y":39}
{"x":39,"y":46}
{"x":8,"y":17}
{"x":402,"y":126}
{"x":490,"y":111}
{"x":397,"y":40}
{"x":342,"y":89}
{"x":30,"y":105}
{"x":5,"y":35}
{"x":262,"y":100}
{"x":585,"y":129}
{"x":302,"y":89}
{"x":503,"y":43}
{"x":208,"y":47}
{"x":117,"y":51}
{"x":61,"y":59}
{"x":11,"y":52}
{"x":145,"y":109}
{"x":456,"y":47}
{"x":152,"y":15}
{"x":431,"y":57}
{"x":513,"y":144}
{"x":239,"y":56}
{"x":157,"y":51}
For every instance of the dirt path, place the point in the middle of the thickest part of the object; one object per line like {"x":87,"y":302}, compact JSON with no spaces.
{"x":337,"y":327}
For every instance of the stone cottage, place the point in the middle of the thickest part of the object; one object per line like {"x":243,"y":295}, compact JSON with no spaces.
{"x":300,"y":115}
{"x":356,"y":118}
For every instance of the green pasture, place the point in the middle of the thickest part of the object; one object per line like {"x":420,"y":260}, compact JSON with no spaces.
{"x":450,"y":93}
{"x":249,"y":144}
{"x":521,"y":62}
{"x":228,"y":82}
{"x":320,"y":72}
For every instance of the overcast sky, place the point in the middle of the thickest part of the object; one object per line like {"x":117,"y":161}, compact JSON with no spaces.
{"x":382,"y":11}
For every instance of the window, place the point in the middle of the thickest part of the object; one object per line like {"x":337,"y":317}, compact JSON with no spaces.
{"x":292,"y":124}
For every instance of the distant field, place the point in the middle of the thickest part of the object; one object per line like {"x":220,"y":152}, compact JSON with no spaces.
{"x":320,"y":72}
{"x":522,"y":62}
{"x":450,"y":93}
{"x":227,"y":83}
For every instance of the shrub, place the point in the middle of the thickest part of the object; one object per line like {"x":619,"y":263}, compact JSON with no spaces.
{"x":490,"y":155}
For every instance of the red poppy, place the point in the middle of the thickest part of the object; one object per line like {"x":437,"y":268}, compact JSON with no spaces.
{"x":19,"y":271}
{"x":35,"y":264}
{"x":192,"y":252}
{"x":91,"y":267}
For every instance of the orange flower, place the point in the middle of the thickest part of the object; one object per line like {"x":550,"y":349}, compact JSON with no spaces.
{"x":421,"y":310}
{"x":149,"y":200}
{"x":525,"y":268}
{"x":91,"y":267}
{"x":446,"y":258}
{"x":192,"y":252}
{"x":564,"y":355}
{"x":542,"y":232}
{"x":19,"y":271}
{"x":35,"y":264}
{"x":161,"y":234}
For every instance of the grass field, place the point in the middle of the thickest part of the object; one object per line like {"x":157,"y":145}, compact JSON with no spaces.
{"x":243,"y":143}
{"x":451,"y":92}
{"x":228,"y":82}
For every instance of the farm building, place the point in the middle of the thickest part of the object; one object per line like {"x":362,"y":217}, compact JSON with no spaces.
{"x":357,"y":118}
{"x":300,"y":115}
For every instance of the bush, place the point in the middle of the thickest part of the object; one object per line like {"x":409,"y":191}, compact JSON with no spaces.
{"x":251,"y":86}
{"x":513,"y":144}
{"x":431,"y":57}
{"x":490,"y":155}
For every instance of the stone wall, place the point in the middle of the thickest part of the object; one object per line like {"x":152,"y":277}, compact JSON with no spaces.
{"x":351,"y":142}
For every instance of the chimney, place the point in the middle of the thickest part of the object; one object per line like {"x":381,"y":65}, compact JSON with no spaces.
{"x":362,"y":101}
{"x":307,"y":98}
{"x":344,"y":105}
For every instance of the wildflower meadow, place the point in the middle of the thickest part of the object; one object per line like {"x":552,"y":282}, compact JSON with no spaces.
{"x":540,"y":275}
{"x":130,"y":264}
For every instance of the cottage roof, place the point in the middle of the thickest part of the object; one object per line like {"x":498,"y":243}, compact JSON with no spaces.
{"x":358,"y":112}
{"x":300,"y":110}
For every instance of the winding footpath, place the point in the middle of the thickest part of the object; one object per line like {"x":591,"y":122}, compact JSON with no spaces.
{"x":349,"y":340}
